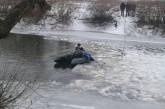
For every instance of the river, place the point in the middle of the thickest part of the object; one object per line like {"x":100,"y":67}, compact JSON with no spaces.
{"x":120,"y":76}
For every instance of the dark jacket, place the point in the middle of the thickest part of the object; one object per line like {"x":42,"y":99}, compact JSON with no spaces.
{"x":122,"y":6}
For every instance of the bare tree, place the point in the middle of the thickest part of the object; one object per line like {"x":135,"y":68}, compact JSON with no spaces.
{"x":151,"y":12}
{"x":13,"y":86}
{"x":14,"y":16}
{"x":63,"y":11}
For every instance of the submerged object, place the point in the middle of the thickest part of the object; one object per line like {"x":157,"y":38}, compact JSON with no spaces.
{"x":71,"y":60}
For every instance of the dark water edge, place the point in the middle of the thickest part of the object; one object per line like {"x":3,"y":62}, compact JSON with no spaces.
{"x":31,"y":57}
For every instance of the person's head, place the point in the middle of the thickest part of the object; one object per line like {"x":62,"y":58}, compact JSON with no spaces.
{"x":79,"y":44}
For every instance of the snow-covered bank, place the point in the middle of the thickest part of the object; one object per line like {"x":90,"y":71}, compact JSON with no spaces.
{"x":125,"y":25}
{"x":89,"y":36}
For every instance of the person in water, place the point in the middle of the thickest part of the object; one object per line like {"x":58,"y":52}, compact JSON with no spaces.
{"x":79,"y":51}
{"x":78,"y":47}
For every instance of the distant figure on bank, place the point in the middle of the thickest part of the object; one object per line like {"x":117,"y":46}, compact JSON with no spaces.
{"x":122,"y":8}
{"x":163,"y":19}
{"x":115,"y":24}
{"x":127,"y":6}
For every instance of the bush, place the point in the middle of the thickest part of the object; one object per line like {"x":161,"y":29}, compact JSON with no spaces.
{"x":11,"y":89}
{"x":63,"y":11}
{"x":100,"y":14}
{"x":151,"y":13}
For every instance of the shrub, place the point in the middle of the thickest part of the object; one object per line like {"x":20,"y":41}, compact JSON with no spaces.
{"x":11,"y":89}
{"x":62,"y":12}
{"x":151,"y":13}
{"x":99,"y":14}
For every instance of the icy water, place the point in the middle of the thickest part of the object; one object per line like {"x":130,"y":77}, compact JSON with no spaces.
{"x":135,"y":74}
{"x":32,"y":56}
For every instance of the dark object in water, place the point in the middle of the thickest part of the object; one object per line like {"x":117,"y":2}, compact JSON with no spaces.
{"x":71,"y":60}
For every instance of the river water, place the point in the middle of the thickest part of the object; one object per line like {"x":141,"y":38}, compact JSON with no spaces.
{"x":32,"y":56}
{"x":136,"y":74}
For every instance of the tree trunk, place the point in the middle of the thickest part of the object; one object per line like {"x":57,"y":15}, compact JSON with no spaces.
{"x":17,"y":13}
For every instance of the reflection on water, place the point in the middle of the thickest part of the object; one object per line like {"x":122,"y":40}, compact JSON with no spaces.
{"x":31,"y":56}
